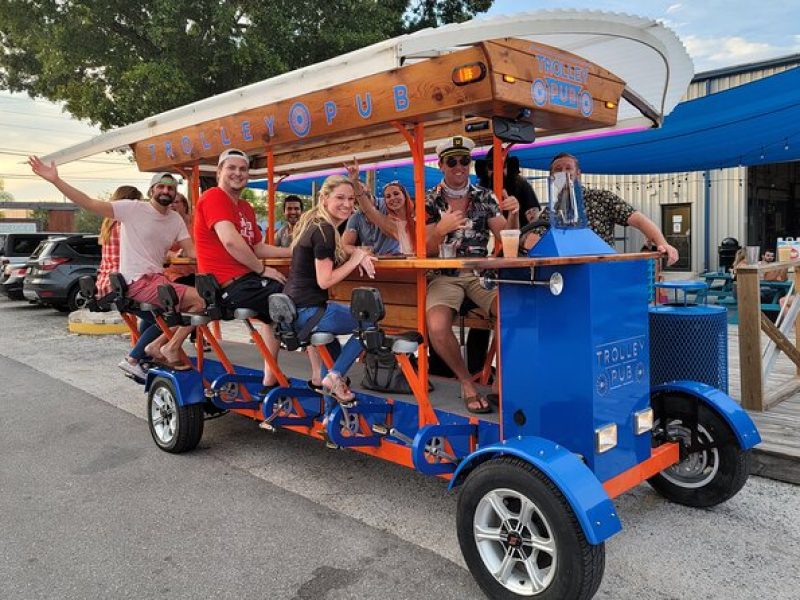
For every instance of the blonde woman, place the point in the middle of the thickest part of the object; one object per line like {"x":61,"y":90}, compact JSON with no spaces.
{"x":319,"y":261}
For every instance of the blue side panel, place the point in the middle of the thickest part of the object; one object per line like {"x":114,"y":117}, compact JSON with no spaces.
{"x":738,"y":419}
{"x":188,"y":384}
{"x":589,"y":501}
{"x":578,"y":361}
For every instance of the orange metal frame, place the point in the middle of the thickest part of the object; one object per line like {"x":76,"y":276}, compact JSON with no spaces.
{"x":661,"y":457}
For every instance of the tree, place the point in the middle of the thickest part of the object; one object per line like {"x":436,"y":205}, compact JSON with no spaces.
{"x":41,"y":216}
{"x":87,"y":222}
{"x":116,"y":62}
{"x":4,"y":195}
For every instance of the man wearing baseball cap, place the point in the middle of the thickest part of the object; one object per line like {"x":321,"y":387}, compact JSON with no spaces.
{"x":462,"y":216}
{"x":147,"y":231}
{"x":230,"y":246}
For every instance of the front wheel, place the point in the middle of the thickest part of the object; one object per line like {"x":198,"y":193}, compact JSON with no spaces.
{"x":174,"y":428}
{"x":713,"y":467}
{"x":520,"y":537}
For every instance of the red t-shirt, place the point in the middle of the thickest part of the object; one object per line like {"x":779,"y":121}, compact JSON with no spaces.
{"x":214,"y":206}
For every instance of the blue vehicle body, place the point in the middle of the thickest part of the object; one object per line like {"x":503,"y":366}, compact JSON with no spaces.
{"x":734,"y":415}
{"x":569,"y":365}
{"x":590,"y":503}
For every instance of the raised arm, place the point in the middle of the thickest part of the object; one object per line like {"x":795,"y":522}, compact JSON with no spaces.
{"x":50,"y":173}
{"x":367,"y":204}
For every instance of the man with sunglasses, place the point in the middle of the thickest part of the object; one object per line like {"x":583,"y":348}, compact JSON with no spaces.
{"x":230,"y":246}
{"x":461,"y":215}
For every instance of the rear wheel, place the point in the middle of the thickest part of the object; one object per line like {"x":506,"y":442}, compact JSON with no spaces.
{"x":520,"y":538}
{"x":75,"y":299}
{"x":713,"y":468}
{"x":174,"y":428}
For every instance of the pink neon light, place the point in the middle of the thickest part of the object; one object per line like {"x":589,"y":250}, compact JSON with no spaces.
{"x":404,"y":162}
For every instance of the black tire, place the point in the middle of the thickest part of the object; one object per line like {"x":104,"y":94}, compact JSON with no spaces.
{"x":75,"y":300}
{"x":706,"y":477}
{"x":568,"y":568}
{"x":174,"y":428}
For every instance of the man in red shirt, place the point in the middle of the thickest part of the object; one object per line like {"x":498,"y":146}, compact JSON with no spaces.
{"x":230,"y":246}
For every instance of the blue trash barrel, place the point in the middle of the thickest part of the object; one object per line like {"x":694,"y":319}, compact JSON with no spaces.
{"x":689,"y":341}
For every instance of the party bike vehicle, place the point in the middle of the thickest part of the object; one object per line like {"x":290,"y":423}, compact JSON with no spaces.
{"x":578,"y":422}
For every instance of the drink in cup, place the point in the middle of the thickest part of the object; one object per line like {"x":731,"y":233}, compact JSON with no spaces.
{"x":510,"y":239}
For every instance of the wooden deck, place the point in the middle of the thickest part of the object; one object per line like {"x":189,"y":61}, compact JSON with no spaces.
{"x":778,"y":455}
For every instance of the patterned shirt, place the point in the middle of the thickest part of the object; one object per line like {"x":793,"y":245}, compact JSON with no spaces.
{"x":283,"y":237}
{"x":604,"y":209}
{"x":482,"y":207}
{"x":109,"y":263}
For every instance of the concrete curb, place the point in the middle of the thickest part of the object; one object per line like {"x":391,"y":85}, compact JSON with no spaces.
{"x":97,"y":328}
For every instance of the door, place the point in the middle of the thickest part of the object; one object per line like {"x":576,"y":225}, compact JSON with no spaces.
{"x":676,"y":224}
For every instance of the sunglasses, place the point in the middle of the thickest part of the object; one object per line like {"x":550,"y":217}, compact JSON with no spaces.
{"x":453,"y":161}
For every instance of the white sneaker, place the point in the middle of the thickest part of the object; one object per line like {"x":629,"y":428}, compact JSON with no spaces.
{"x":133,"y":369}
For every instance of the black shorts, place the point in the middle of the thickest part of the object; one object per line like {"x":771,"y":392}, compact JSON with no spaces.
{"x":251,"y":291}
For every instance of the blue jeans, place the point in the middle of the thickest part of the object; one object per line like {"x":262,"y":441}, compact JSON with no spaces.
{"x":338,"y":321}
{"x":148,"y":331}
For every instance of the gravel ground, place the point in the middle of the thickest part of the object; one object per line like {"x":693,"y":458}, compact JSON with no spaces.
{"x":746,"y":548}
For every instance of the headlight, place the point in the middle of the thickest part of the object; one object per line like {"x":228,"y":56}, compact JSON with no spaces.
{"x":605,"y":438}
{"x":643,"y":421}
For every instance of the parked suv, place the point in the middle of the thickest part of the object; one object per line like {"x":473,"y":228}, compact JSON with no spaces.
{"x":15,"y":248}
{"x":56,"y":266}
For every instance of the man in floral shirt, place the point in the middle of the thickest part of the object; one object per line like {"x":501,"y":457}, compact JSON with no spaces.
{"x":605,"y":209}
{"x":461,"y":214}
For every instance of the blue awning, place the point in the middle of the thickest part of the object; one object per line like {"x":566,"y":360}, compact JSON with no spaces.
{"x":404,"y":174}
{"x":752,"y":124}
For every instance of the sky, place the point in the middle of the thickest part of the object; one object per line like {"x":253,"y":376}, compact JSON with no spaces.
{"x":716,"y":34}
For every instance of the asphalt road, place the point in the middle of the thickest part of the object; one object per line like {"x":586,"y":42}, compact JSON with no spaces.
{"x":90,"y":508}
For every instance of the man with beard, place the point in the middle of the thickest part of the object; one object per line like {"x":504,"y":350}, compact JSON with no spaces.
{"x":230,"y":247}
{"x":147,"y":231}
{"x":292,"y":209}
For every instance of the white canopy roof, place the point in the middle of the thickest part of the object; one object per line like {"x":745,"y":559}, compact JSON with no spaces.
{"x":644,"y":53}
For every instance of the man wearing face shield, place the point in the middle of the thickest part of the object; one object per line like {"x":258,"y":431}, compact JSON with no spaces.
{"x":604,"y":209}
{"x":147,"y":231}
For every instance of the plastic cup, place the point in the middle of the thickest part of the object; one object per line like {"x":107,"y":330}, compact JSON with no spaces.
{"x":752,"y":254}
{"x":510,"y":240}
{"x":447,"y":250}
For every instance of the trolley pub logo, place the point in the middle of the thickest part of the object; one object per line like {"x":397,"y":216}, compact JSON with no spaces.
{"x":562,"y":85}
{"x":620,"y":363}
{"x":276,"y":121}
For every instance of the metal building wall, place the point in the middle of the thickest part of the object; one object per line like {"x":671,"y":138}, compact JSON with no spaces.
{"x":727,"y":188}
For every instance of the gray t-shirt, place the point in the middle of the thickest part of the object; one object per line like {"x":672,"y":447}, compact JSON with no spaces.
{"x":371,"y":235}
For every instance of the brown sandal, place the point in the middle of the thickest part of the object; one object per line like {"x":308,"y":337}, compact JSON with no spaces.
{"x":480,"y":401}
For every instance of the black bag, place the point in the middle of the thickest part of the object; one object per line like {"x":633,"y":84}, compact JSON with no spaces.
{"x":382,"y":373}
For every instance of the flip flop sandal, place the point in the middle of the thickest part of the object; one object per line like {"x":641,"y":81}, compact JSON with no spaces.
{"x":483,"y":405}
{"x":176,"y":366}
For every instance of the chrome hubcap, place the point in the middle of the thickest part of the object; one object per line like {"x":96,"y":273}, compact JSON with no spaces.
{"x":515,"y":542}
{"x":163,"y":415}
{"x":697,"y":469}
